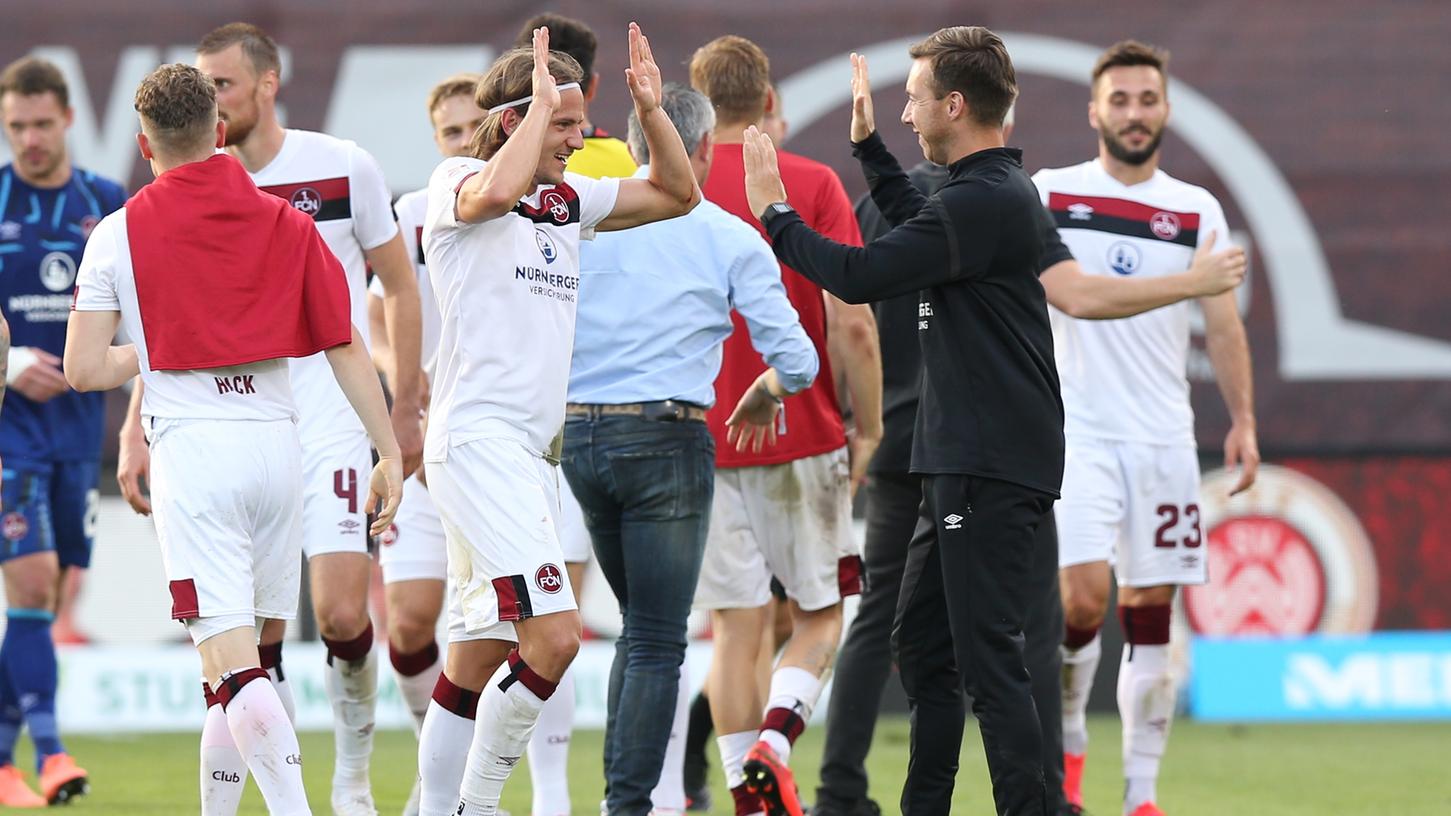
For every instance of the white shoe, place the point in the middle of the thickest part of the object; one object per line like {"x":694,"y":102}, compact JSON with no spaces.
{"x":353,"y":802}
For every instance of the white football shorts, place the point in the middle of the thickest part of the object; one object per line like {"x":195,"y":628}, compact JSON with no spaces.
{"x":335,"y":473}
{"x":413,"y":548}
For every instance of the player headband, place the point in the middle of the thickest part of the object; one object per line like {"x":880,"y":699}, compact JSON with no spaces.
{"x":526,"y":100}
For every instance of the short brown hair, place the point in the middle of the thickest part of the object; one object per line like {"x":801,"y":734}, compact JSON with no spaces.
{"x":1130,"y":52}
{"x":457,"y":85}
{"x":735,"y":74}
{"x":259,"y":48}
{"x":512,"y":77}
{"x":566,"y":34}
{"x":29,"y":76}
{"x":972,"y":61}
{"x":178,"y":108}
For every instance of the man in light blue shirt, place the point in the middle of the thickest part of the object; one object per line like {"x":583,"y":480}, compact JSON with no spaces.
{"x":654,"y":308}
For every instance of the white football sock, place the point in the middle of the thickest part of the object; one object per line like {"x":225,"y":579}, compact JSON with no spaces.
{"x":793,"y":695}
{"x":279,"y":678}
{"x":352,"y":688}
{"x":733,"y":748}
{"x":669,"y":793}
{"x":266,"y":740}
{"x":549,"y":751}
{"x":223,"y":771}
{"x":506,"y":722}
{"x":1079,"y":667}
{"x":417,"y":689}
{"x":443,"y":749}
{"x":1146,"y":697}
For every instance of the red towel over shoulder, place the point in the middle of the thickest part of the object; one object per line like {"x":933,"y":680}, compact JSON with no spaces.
{"x":227,"y":274}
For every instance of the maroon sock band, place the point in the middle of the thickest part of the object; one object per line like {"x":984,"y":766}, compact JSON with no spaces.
{"x":412,"y":664}
{"x":233,"y":683}
{"x":208,"y":695}
{"x":455,"y":699}
{"x":519,"y":671}
{"x":355,"y":649}
{"x":786,"y":721}
{"x":1075,"y":638}
{"x":1145,"y":625}
{"x":271,"y":654}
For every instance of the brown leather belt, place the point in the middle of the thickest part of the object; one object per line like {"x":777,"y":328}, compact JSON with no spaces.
{"x":663,"y":411}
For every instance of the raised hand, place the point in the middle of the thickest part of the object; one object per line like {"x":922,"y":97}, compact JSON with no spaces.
{"x":763,"y":177}
{"x":863,"y":121}
{"x":544,"y":90}
{"x":1216,"y":272}
{"x":643,"y":75}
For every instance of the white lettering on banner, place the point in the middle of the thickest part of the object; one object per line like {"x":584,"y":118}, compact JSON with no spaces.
{"x":1414,"y":680}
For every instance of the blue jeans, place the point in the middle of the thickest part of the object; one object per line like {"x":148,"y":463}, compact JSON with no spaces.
{"x":646,"y":488}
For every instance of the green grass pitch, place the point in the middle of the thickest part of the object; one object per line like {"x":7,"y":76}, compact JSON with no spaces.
{"x":1294,"y":770}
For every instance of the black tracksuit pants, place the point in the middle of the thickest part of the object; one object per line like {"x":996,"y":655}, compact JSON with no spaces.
{"x":894,"y":504}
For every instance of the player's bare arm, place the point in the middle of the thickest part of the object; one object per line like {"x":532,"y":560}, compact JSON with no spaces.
{"x":852,"y":345}
{"x":670,"y":190}
{"x":359,"y":381}
{"x":510,"y":174}
{"x":1228,"y":349}
{"x":91,"y":362}
{"x":4,"y":356}
{"x":133,"y":463}
{"x":404,"y":322}
{"x":1098,"y":297}
{"x":378,"y":339}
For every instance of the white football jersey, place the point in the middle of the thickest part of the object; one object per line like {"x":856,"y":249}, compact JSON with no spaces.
{"x":410,"y":210}
{"x":507,"y":291}
{"x":1125,"y":379}
{"x":106,"y":282}
{"x":340,"y":186}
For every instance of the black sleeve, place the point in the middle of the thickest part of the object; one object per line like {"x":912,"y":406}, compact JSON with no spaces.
{"x":869,"y":218}
{"x":892,"y":191}
{"x":953,"y":237}
{"x":1054,"y":251}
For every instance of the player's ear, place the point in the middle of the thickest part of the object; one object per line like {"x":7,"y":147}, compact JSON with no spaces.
{"x":591,"y":86}
{"x":145,"y":145}
{"x":1092,"y":114}
{"x":221,"y":133}
{"x":70,"y":116}
{"x":956,"y":105}
{"x":509,"y":120}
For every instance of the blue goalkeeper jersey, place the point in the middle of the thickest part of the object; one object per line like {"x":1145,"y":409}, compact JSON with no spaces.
{"x":42,"y":236}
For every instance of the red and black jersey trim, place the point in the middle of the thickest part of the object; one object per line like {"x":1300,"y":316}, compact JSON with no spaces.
{"x":418,"y":239}
{"x":1122,"y":217}
{"x":322,"y":200}
{"x":558,"y":205}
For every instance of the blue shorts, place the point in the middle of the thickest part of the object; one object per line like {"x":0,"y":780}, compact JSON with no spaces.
{"x":50,"y":507}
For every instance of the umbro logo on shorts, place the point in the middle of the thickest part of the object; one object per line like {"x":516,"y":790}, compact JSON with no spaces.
{"x":954,"y":521}
{"x":549,"y":579}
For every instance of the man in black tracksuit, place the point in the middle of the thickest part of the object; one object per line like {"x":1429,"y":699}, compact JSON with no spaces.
{"x":988,"y":440}
{"x":894,"y":495}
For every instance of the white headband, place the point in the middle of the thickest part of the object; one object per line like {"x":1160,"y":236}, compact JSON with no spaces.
{"x":526,"y":100}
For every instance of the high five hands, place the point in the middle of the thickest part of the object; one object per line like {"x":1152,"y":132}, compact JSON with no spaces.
{"x":543,"y":89}
{"x":863,"y":121}
{"x":643,"y":75}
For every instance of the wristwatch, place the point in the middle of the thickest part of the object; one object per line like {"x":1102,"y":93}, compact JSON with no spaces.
{"x":779,"y":208}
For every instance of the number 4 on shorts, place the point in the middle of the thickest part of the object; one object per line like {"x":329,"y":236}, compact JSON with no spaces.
{"x":345,"y":486}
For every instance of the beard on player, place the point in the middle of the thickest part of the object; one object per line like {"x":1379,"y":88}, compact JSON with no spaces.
{"x":1120,"y":150}
{"x":240,"y":123}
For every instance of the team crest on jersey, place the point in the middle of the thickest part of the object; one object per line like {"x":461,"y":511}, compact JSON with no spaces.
{"x":308,"y":200}
{"x":549,"y":579}
{"x":14,"y":526}
{"x":546,"y":245}
{"x":389,"y":536}
{"x":9,"y":230}
{"x":557,"y":206}
{"x":58,"y":271}
{"x":1164,"y":225}
{"x":1124,"y":258}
